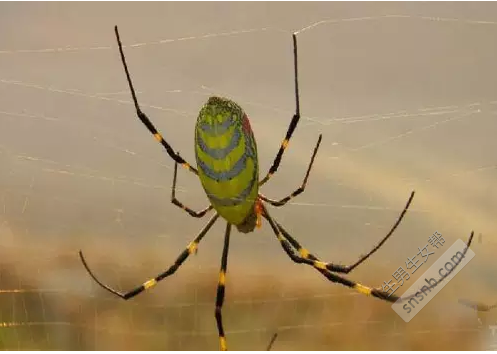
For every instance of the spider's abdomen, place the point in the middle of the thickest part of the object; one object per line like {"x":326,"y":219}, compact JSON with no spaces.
{"x":226,"y":154}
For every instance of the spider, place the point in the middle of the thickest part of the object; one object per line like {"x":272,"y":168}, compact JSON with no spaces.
{"x":228,"y":168}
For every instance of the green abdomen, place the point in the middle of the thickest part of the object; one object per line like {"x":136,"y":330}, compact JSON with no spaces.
{"x":226,"y":155}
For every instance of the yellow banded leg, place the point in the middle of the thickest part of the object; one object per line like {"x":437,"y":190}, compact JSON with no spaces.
{"x":338,"y":268}
{"x":294,"y":121}
{"x":149,"y":284}
{"x":319,"y":265}
{"x":363,"y":289}
{"x":143,"y":117}
{"x":301,"y":189}
{"x":158,"y":137}
{"x":191,"y":248}
{"x":221,"y":289}
{"x":322,"y":267}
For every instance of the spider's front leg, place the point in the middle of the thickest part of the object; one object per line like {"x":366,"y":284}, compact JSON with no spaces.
{"x":143,"y":117}
{"x":294,"y":121}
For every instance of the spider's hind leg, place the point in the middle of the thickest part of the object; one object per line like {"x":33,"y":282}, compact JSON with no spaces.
{"x":307,"y":258}
{"x":346,"y":268}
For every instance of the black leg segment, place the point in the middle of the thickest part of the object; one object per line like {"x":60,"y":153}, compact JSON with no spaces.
{"x":281,"y":202}
{"x":195,"y":214}
{"x":143,"y":117}
{"x":191,"y":248}
{"x":221,"y":288}
{"x":294,"y":121}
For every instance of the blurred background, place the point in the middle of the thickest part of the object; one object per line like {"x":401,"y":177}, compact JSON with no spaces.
{"x":405,"y":95}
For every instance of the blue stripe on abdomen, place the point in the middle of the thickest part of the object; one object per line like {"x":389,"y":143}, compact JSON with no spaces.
{"x":220,"y":153}
{"x":224,"y":175}
{"x":239,"y":165}
{"x":223,"y":153}
{"x":217,"y":129}
{"x":236,"y":200}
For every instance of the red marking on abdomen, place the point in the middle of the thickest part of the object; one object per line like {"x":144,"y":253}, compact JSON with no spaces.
{"x":246,"y":124}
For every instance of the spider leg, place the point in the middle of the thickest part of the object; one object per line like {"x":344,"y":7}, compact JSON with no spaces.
{"x":271,"y":342}
{"x":439,"y":280}
{"x":191,"y":248}
{"x":282,"y":236}
{"x":335,"y":278}
{"x":348,"y":268}
{"x":293,"y":122}
{"x":221,"y":287}
{"x":281,"y":202}
{"x":143,"y":117}
{"x":195,"y":214}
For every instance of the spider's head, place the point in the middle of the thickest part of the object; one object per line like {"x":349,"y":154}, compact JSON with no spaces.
{"x":252,"y":220}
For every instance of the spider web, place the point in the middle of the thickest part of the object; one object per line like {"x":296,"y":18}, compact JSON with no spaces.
{"x":404,"y":101}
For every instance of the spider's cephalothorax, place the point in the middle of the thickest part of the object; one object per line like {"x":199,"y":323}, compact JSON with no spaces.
{"x":226,"y":155}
